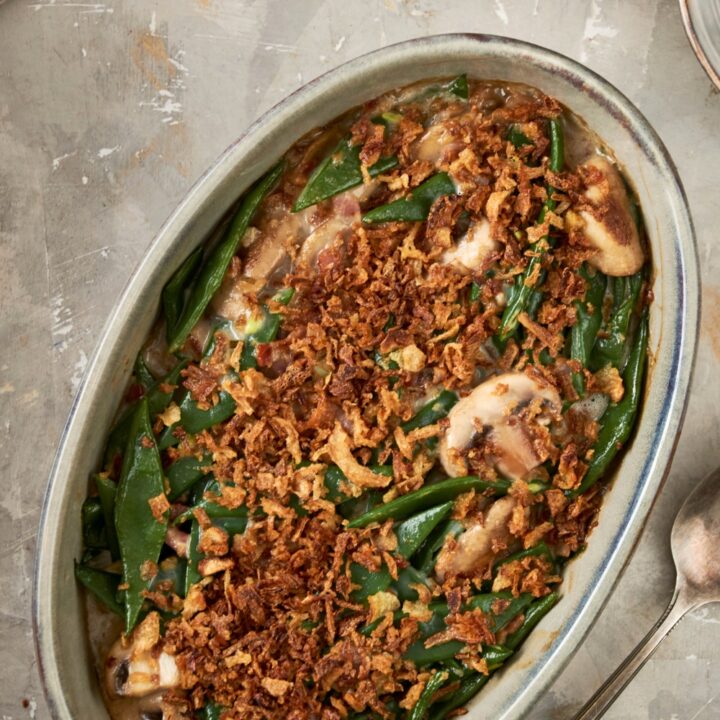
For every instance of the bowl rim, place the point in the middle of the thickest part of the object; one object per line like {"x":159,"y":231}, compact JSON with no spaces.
{"x":656,"y":462}
{"x":711,"y":71}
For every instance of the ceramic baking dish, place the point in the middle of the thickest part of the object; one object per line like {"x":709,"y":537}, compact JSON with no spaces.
{"x":63,"y":650}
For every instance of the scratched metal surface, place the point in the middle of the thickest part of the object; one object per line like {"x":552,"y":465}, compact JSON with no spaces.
{"x":110,"y":110}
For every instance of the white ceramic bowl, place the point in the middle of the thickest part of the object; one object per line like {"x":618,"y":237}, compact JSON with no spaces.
{"x":63,"y":650}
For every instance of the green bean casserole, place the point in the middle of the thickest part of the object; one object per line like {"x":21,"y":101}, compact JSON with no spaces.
{"x":374,"y":418}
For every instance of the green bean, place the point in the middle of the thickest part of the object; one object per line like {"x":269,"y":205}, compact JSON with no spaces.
{"x":536,"y":297}
{"x":142,"y":375}
{"x":428,"y":496}
{"x":611,"y":346}
{"x":469,"y":687}
{"x":195,"y":420}
{"x":587,"y":323}
{"x":517,"y":137}
{"x":515,"y":606}
{"x":219,"y":325}
{"x":433,"y":411}
{"x":216,"y":264}
{"x":458,"y":87}
{"x":496,"y":655}
{"x":337,"y":484}
{"x":185,"y":472}
{"x":539,"y":550}
{"x":416,"y":206}
{"x":355,"y":507}
{"x":233,"y":524}
{"x":338,"y":172}
{"x":367,"y":630}
{"x":347,"y":505}
{"x":407,"y":577}
{"x":522,"y":293}
{"x":486,"y":602}
{"x":392,"y":711}
{"x":103,"y":585}
{"x":93,"y":524}
{"x":264,"y":331}
{"x":173,"y":294}
{"x":214,"y":510}
{"x":335,"y":481}
{"x":385,"y":361}
{"x":618,"y":420}
{"x":426,"y":558}
{"x":107,"y":491}
{"x":422,"y":706}
{"x":141,"y":535}
{"x":369,"y":581}
{"x":475,"y":291}
{"x":472,"y":684}
{"x":421,"y":655}
{"x":192,"y":574}
{"x":533,"y":615}
{"x":210,"y":711}
{"x":284,"y":295}
{"x":171,"y":572}
{"x":168,"y":438}
{"x":389,"y":119}
{"x":157,"y":398}
{"x":412,"y":532}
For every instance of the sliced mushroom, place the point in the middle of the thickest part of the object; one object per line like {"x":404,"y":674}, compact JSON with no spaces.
{"x":472,"y":249}
{"x":177,"y":540}
{"x":493,"y":406}
{"x":437,"y":145}
{"x":345,"y":213}
{"x":608,"y":224}
{"x":267,"y":250}
{"x":476,"y":547}
{"x":320,"y":239}
{"x":231,"y":300}
{"x":137,"y":674}
{"x":263,"y":257}
{"x":138,"y":667}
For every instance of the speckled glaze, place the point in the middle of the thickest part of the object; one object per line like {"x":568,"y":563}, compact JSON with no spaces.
{"x":60,"y":633}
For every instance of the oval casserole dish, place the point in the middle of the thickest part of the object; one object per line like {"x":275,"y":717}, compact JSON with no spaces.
{"x":60,"y":628}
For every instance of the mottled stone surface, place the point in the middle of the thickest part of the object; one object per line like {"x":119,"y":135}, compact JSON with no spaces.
{"x":108,"y":113}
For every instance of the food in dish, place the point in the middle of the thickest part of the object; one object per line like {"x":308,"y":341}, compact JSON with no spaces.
{"x":368,"y":429}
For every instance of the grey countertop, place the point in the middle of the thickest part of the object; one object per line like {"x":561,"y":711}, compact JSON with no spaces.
{"x":110,"y":110}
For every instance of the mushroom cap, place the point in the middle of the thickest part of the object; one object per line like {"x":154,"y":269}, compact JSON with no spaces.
{"x":475,"y":548}
{"x":471,"y":250}
{"x":608,"y":224}
{"x":493,"y":405}
{"x":135,"y":671}
{"x":436,"y":145}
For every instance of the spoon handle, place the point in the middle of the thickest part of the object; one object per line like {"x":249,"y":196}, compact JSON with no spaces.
{"x":615,"y":684}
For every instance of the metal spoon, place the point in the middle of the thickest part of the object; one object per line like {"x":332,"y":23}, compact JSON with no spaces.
{"x":694,"y":542}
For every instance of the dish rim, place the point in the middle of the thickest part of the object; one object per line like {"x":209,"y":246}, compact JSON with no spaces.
{"x":711,"y":71}
{"x":197,"y":202}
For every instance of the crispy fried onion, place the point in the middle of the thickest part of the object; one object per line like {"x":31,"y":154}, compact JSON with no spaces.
{"x":338,"y":448}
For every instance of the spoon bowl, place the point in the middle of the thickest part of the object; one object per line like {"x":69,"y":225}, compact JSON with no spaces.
{"x":695,"y":543}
